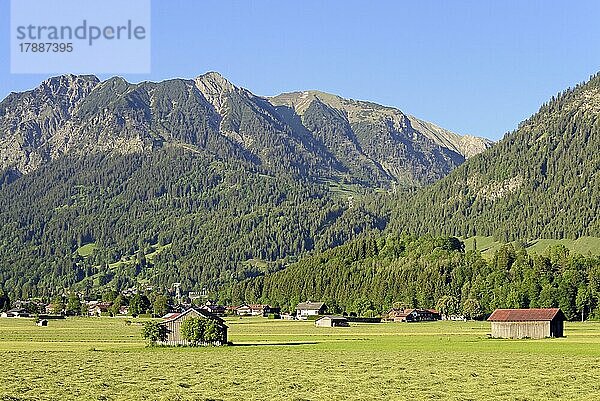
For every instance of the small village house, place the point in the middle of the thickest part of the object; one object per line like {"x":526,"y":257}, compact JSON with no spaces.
{"x":412,"y":315}
{"x":256,"y":310}
{"x":173,"y":321}
{"x":214,"y":308}
{"x":271,"y":310}
{"x":243,"y":310}
{"x":100,"y":309}
{"x":306,"y":309}
{"x":332,"y":321}
{"x":527,"y":323}
{"x":15,"y":312}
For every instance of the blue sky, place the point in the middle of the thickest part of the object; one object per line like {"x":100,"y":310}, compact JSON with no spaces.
{"x":474,"y":67}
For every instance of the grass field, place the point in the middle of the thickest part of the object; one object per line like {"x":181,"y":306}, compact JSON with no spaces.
{"x":583,"y":245}
{"x":103,"y":359}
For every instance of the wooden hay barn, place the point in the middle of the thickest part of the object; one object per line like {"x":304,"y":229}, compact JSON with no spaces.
{"x":527,"y":323}
{"x":173,"y":323}
{"x":332,"y":321}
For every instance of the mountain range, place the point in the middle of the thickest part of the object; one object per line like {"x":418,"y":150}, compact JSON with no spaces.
{"x":311,"y":134}
{"x":112,"y":184}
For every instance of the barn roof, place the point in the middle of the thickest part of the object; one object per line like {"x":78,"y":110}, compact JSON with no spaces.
{"x":333,"y":317}
{"x":310,"y":305}
{"x":526,"y":315}
{"x":169,"y":317}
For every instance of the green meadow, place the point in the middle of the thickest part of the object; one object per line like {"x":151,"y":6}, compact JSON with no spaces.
{"x":105,"y":359}
{"x":488,"y":246}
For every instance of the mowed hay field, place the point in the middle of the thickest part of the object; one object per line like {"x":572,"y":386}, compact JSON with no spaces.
{"x":104,"y":359}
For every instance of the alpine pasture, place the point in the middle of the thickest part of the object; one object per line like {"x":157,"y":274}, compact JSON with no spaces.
{"x":105,"y":359}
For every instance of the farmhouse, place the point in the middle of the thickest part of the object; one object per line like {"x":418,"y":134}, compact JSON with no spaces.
{"x":527,"y":323}
{"x":100,"y":309}
{"x":412,"y":315}
{"x":306,"y":309}
{"x":214,"y":308}
{"x":256,"y":310}
{"x":332,"y":321}
{"x":173,"y":321}
{"x":16,"y":312}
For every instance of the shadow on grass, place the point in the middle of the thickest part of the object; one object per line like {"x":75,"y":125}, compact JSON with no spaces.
{"x":275,"y":344}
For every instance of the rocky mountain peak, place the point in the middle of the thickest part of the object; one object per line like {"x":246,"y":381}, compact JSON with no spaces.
{"x":311,"y":132}
{"x":68,"y":87}
{"x":215,"y":88}
{"x":300,"y":101}
{"x":360,"y":112}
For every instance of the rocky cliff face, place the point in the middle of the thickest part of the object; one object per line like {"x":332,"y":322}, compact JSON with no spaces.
{"x":382,"y":140}
{"x":304,"y":133}
{"x":30,"y":120}
{"x":466,"y":145}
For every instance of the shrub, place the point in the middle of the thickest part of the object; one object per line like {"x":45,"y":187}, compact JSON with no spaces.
{"x":154,"y":332}
{"x":198,"y":330}
{"x":192,"y":330}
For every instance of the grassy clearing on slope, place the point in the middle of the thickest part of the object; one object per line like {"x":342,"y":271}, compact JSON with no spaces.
{"x":86,"y":250}
{"x":583,"y":245}
{"x":105,"y":359}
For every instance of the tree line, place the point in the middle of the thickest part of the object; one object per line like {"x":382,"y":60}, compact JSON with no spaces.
{"x":375,"y":273}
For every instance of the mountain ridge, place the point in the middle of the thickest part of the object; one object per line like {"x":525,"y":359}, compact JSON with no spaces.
{"x":83,"y":114}
{"x":540,"y":181}
{"x":467,"y":145}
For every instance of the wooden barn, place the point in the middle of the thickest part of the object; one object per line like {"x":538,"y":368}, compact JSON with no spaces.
{"x":332,"y":321}
{"x":173,"y":323}
{"x":527,"y":323}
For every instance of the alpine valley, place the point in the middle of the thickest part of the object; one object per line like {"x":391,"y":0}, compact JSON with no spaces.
{"x":196,"y":181}
{"x":111,"y":185}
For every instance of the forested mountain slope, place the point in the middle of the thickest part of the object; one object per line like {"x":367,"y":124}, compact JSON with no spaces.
{"x":372,"y":274}
{"x":114,"y":184}
{"x":172,"y":215}
{"x":541,"y":181}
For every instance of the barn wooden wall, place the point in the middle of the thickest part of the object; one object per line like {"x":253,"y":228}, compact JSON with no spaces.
{"x":174,"y":332}
{"x":520,"y":329}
